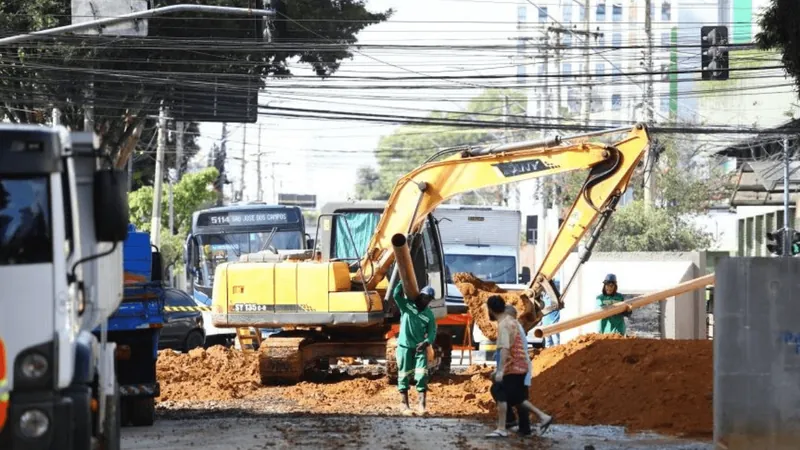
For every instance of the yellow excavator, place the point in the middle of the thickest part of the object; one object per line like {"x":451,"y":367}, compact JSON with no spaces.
{"x":331,"y":306}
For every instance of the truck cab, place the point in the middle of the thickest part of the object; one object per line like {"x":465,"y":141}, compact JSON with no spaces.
{"x":62,"y":221}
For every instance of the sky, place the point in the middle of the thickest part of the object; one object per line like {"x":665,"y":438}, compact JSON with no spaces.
{"x":312,"y":156}
{"x":321,"y":157}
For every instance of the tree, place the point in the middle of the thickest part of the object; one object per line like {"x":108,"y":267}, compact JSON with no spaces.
{"x":194,"y":191}
{"x":411,"y":145}
{"x":131,"y":76}
{"x":780,"y":30}
{"x":145,"y":161}
{"x":685,"y":189}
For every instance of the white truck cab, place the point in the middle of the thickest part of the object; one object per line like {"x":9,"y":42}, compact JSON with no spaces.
{"x":62,"y":222}
{"x":485,"y":241}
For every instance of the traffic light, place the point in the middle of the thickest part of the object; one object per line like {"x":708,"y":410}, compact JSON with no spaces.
{"x":775,"y":242}
{"x":795,"y":242}
{"x":714,"y":53}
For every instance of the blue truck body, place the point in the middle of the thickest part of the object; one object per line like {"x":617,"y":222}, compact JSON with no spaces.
{"x":135,"y":328}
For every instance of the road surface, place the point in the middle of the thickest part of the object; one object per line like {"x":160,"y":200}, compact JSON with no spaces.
{"x":240,"y":430}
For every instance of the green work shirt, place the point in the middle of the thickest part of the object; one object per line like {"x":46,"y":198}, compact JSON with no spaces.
{"x":414,"y":325}
{"x":613,"y":324}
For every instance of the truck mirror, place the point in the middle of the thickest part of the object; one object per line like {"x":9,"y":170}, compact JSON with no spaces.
{"x":157,"y":266}
{"x":111,"y":213}
{"x":525,"y":276}
{"x":310,"y":244}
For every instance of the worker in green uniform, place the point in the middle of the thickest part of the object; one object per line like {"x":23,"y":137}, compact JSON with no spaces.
{"x":610,"y":296}
{"x":417,"y":332}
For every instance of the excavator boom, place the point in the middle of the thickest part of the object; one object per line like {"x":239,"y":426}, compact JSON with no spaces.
{"x":419,"y":192}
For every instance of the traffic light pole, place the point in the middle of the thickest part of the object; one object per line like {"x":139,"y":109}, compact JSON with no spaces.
{"x":788,"y":233}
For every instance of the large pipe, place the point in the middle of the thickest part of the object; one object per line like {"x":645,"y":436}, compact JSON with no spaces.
{"x":405,"y":268}
{"x":629,"y":305}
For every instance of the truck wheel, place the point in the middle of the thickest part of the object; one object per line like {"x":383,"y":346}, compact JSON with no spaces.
{"x":142,"y":411}
{"x":194,"y":340}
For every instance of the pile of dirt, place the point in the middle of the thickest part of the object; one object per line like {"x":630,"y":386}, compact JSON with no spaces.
{"x":476,"y":291}
{"x":641,"y":384}
{"x":218,"y":373}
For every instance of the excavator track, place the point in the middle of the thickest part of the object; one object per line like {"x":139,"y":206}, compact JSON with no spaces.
{"x":280,"y":360}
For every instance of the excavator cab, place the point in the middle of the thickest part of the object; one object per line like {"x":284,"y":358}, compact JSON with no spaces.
{"x":345,"y":230}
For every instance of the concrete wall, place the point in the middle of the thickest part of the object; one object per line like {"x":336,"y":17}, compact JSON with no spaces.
{"x":757,"y":354}
{"x":681,"y":317}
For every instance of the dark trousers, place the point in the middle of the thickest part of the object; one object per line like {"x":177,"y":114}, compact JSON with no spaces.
{"x":513,"y":392}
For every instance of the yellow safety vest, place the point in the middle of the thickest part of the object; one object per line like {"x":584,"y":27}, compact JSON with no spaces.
{"x":3,"y":386}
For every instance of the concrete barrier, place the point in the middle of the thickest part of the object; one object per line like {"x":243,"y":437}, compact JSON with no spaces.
{"x":757,"y":354}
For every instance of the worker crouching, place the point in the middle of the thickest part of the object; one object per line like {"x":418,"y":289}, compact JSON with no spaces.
{"x":417,"y":335}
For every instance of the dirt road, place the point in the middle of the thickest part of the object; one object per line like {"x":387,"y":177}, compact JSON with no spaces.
{"x":244,"y":431}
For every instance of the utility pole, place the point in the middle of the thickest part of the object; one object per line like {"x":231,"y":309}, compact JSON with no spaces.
{"x":650,"y":155}
{"x":587,"y":98}
{"x":179,"y":148}
{"x":155,"y":224}
{"x":260,"y":193}
{"x":244,"y":162}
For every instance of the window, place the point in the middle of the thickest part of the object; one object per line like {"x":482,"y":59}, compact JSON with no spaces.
{"x":617,"y":74}
{"x":599,"y":68}
{"x":616,"y":13}
{"x":543,"y":14}
{"x":567,"y":40}
{"x":601,"y":41}
{"x":664,"y":104}
{"x":601,"y":12}
{"x":531,"y":226}
{"x":616,"y":40}
{"x":573,"y":100}
{"x":522,"y":14}
{"x":174,"y":297}
{"x":581,"y":13}
{"x":567,"y":69}
{"x":541,"y":69}
{"x":497,"y":269}
{"x":665,"y":39}
{"x":597,"y":105}
{"x":666,"y":12}
{"x":567,"y":10}
{"x":652,"y":14}
{"x":25,"y":230}
{"x":616,"y":102}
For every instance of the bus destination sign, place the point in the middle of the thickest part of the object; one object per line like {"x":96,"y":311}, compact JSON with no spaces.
{"x":242,"y":218}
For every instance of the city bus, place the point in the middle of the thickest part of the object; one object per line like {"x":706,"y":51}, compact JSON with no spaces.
{"x":225,"y":233}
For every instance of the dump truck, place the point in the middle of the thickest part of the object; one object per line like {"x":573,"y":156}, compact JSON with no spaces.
{"x":330,"y":307}
{"x":63,"y":218}
{"x":135,"y":327}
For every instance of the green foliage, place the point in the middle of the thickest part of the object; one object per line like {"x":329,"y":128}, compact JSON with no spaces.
{"x":411,"y":145}
{"x":683,"y":191}
{"x":780,"y":30}
{"x":144,"y":164}
{"x":659,"y":230}
{"x":188,"y":195}
{"x":131,"y":75}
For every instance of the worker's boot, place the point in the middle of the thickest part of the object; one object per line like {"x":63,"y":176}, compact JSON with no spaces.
{"x":421,"y":406}
{"x":404,"y":401}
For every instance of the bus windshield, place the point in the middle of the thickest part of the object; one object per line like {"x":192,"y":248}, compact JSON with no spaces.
{"x":225,"y":247}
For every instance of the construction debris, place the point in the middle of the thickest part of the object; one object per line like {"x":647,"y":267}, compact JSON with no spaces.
{"x":642,"y":384}
{"x":476,"y":291}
